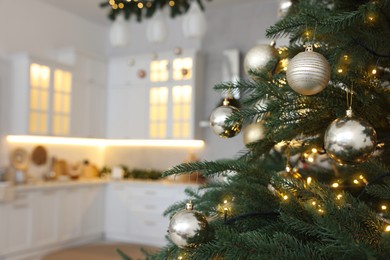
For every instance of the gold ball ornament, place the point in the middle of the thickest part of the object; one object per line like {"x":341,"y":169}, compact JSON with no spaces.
{"x":188,"y":228}
{"x":218,"y":118}
{"x":253,"y":133}
{"x":350,"y":140}
{"x":308,"y":73}
{"x":259,"y":57}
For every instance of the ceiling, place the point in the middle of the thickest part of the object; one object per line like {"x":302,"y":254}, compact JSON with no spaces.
{"x":90,"y":9}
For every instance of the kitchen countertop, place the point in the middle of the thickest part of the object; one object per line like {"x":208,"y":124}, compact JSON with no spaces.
{"x":65,"y":184}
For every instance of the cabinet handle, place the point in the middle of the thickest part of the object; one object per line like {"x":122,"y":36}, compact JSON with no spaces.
{"x":150,"y":207}
{"x":48,"y":192}
{"x":150,"y":223}
{"x":150,"y":192}
{"x":20,"y":206}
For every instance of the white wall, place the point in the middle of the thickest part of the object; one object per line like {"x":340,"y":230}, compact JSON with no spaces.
{"x":39,"y":29}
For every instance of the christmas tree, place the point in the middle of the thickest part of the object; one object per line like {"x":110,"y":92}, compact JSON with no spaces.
{"x":314,"y":181}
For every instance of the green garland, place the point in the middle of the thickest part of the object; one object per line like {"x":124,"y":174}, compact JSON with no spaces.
{"x":142,"y":9}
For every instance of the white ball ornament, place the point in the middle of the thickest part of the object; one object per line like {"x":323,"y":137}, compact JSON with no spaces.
{"x":308,"y":73}
{"x":259,"y":56}
{"x":253,"y":133}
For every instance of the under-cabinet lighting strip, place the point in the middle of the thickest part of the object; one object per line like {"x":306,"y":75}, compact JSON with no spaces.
{"x":31,"y":139}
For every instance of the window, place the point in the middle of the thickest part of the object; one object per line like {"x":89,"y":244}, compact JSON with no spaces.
{"x":170,"y":106}
{"x":158,"y":112}
{"x":50,"y":100}
{"x":181,"y":101}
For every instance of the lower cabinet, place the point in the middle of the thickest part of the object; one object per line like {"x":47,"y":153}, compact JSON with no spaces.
{"x":44,"y":217}
{"x":18,"y":223}
{"x":135,"y":211}
{"x":39,"y":218}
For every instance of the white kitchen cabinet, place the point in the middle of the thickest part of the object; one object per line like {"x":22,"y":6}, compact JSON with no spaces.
{"x":70,"y":214}
{"x":92,"y":210}
{"x":44,"y":217}
{"x":19,"y":223}
{"x":3,"y":227}
{"x":89,"y":93}
{"x":159,"y":98}
{"x":41,"y":93}
{"x":126,"y":112}
{"x":134,"y":211}
{"x":116,"y":212}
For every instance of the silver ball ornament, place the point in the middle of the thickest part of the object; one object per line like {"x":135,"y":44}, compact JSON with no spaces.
{"x":259,"y":56}
{"x":308,"y":73}
{"x":218,"y":118}
{"x":188,"y":228}
{"x":350,"y":140}
{"x":253,"y":133}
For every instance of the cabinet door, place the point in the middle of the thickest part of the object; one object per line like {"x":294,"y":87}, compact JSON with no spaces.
{"x":19,"y":223}
{"x":127,"y":112}
{"x":69,"y":223}
{"x":117,"y":210}
{"x":3,"y":227}
{"x":93,"y":211}
{"x":97,"y":116}
{"x":44,"y":217}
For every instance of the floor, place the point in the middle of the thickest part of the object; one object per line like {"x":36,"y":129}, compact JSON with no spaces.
{"x":100,"y":251}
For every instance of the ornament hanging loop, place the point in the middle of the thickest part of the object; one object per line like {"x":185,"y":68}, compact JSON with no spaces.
{"x":349,"y":93}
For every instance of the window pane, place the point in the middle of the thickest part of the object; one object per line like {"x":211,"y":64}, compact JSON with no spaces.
{"x":34,"y":96}
{"x":42,"y":123}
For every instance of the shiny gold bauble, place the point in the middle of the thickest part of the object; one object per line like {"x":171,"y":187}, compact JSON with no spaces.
{"x":350,"y":140}
{"x":218,"y":125}
{"x":308,"y":73}
{"x":188,"y":229}
{"x":253,"y":133}
{"x":259,"y":57}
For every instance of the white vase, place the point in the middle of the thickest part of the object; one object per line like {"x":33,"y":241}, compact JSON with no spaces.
{"x":157,"y":29}
{"x":194,"y":22}
{"x":119,"y":32}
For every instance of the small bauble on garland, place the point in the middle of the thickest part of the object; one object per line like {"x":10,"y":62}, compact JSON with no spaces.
{"x":218,"y":118}
{"x":308,"y":73}
{"x":350,"y":140}
{"x":259,"y":57}
{"x":253,"y":132}
{"x":188,"y":228}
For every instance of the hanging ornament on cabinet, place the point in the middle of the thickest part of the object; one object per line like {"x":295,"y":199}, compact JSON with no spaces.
{"x":259,"y":57}
{"x":218,"y":118}
{"x":188,"y":228}
{"x":141,"y":73}
{"x":308,"y":73}
{"x":350,"y":140}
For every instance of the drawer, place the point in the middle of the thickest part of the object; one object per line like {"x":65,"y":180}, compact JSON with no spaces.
{"x":151,"y":193}
{"x":148,"y":225}
{"x":154,"y":205}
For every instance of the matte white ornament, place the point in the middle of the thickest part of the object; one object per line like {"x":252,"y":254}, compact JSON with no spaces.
{"x":259,"y":56}
{"x":194,"y":22}
{"x":157,"y":29}
{"x":119,"y":32}
{"x":308,"y":73}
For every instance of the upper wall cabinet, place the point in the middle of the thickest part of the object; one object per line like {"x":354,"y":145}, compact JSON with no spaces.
{"x":89,"y":93}
{"x":155,"y":97}
{"x":66,"y":97}
{"x":41,"y":97}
